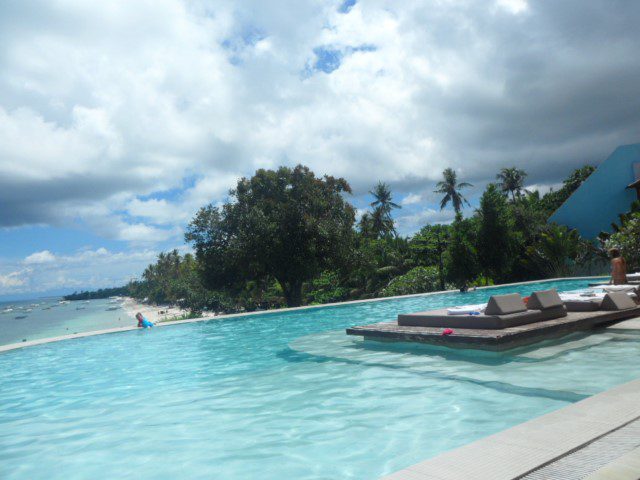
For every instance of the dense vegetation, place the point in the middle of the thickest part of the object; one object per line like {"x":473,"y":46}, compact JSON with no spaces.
{"x":287,"y":238}
{"x":101,"y":293}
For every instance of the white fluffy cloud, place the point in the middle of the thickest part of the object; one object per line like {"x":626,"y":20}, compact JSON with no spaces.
{"x":125,"y":117}
{"x":84,"y":269}
{"x":45,"y":256}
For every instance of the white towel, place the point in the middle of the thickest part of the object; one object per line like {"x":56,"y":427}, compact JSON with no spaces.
{"x":467,"y":309}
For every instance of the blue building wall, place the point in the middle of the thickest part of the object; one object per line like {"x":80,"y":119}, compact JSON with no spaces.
{"x":598,"y":201}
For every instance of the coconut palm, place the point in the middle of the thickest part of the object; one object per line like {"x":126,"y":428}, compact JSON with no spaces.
{"x":383,"y":197}
{"x":382,"y":205}
{"x":512,"y":181}
{"x":450,"y":188}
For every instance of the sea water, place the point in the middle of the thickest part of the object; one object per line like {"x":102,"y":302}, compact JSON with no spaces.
{"x":281,"y":395}
{"x":47,"y":317}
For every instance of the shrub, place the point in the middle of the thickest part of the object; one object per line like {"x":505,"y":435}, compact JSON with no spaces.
{"x":416,"y":280}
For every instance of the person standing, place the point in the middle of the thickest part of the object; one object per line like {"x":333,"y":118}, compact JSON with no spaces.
{"x":618,"y":267}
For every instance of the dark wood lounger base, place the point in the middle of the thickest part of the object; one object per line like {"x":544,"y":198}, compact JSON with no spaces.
{"x":496,"y":340}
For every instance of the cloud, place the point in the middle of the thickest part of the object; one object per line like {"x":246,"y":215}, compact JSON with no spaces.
{"x":124,"y":118}
{"x":411,"y":199}
{"x":44,"y":256}
{"x":411,"y":223}
{"x":83,"y":269}
{"x":12,"y":280}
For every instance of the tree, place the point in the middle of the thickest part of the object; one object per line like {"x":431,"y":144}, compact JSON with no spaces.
{"x":461,"y":256}
{"x":416,"y":280}
{"x":511,"y":181}
{"x":627,"y":239}
{"x":556,"y":252}
{"x":430,"y":244}
{"x":286,"y":224}
{"x":494,"y":234}
{"x":383,"y":204}
{"x":450,"y":188}
{"x":552,"y":200}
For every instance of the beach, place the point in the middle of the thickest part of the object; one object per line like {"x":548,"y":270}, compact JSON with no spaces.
{"x":153,"y":313}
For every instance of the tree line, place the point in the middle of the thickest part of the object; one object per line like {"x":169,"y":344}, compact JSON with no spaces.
{"x":287,"y":237}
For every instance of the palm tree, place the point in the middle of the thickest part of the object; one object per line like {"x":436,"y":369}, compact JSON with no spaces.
{"x":512,"y":181}
{"x":383,"y":198}
{"x":450,"y":188}
{"x":383,"y":204}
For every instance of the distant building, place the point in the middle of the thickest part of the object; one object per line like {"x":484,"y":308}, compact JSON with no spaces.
{"x":607,"y":192}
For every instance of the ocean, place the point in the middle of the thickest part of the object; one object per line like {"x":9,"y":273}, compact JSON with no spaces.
{"x":47,"y":317}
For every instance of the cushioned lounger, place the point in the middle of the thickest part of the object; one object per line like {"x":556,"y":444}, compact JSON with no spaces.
{"x":502,"y":311}
{"x":549,"y":302}
{"x":617,"y":301}
{"x":586,"y":305}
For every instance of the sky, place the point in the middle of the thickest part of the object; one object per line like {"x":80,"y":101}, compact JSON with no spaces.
{"x":119,"y":119}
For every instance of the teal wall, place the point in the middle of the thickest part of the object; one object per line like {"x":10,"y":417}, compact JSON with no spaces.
{"x":596,"y":204}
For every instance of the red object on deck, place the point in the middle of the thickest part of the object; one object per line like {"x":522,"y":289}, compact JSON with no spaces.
{"x":447,"y":331}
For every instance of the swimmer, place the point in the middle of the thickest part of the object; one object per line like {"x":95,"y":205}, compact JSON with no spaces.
{"x":143,"y":322}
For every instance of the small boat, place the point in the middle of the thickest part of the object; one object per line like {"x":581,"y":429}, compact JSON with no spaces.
{"x":64,"y":302}
{"x":7,"y":310}
{"x":87,"y":301}
{"x":20,"y":316}
{"x":29,"y":310}
{"x":47,"y":308}
{"x":112,"y":308}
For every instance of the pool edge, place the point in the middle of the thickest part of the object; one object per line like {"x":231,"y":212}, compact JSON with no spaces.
{"x":31,"y":343}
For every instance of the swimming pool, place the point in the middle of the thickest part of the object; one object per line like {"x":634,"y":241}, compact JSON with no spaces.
{"x":281,"y":395}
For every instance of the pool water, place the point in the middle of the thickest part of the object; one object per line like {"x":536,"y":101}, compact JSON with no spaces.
{"x":281,"y":395}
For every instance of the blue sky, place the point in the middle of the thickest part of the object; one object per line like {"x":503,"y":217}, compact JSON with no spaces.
{"x":118,"y":120}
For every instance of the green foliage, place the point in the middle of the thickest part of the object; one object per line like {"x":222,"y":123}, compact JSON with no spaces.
{"x":554,"y":199}
{"x":627,"y":239}
{"x":511,"y":181}
{"x":375,"y":262}
{"x":100,"y":293}
{"x":286,"y":224}
{"x":556,"y":251}
{"x":495,"y":238}
{"x":416,"y":280}
{"x":327,"y":288}
{"x":429,"y":246}
{"x":287,"y":237}
{"x":379,"y":223}
{"x":450,"y":188}
{"x":462,"y":259}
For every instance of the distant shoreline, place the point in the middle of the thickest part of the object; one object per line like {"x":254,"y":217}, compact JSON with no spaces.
{"x":155,"y":313}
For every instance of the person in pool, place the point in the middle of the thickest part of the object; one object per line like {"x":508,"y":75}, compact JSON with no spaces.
{"x":143,"y":322}
{"x":618,"y":267}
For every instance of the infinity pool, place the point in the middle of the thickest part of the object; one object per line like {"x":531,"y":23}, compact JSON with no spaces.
{"x":281,"y":395}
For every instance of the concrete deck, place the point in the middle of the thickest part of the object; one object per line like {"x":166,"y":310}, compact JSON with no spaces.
{"x":522,"y":450}
{"x":493,"y":339}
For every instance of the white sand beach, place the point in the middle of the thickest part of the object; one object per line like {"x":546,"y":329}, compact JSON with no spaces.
{"x":154,"y":313}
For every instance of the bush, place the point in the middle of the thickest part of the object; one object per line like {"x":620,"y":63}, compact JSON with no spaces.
{"x":416,"y":280}
{"x":627,"y":239}
{"x":326,"y":289}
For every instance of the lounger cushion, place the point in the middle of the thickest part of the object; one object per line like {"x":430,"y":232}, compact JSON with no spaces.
{"x":439,"y":318}
{"x":617,"y":301}
{"x":583,"y":305}
{"x":505,"y":304}
{"x":544,"y":299}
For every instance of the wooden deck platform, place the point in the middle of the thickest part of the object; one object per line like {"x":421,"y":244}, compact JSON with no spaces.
{"x":493,"y":339}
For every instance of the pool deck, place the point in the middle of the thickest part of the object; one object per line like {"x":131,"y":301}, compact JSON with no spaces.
{"x":495,"y":340}
{"x":595,"y":439}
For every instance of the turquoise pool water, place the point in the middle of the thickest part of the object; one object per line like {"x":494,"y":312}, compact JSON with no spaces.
{"x":284,"y":395}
